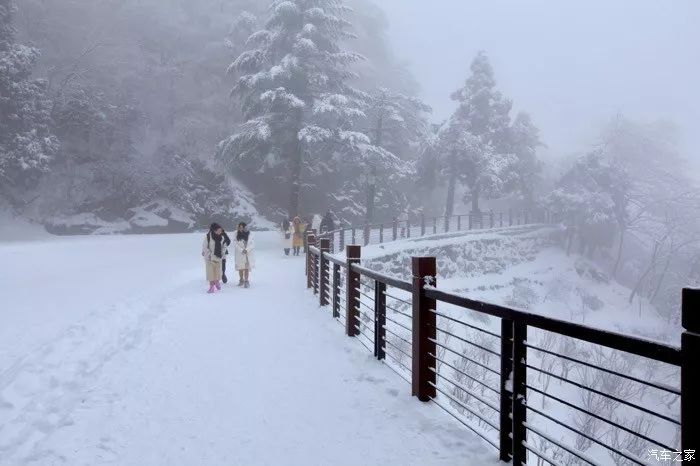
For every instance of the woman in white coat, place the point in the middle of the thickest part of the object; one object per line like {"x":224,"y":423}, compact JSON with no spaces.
{"x":245,"y":256}
{"x":214,"y":250}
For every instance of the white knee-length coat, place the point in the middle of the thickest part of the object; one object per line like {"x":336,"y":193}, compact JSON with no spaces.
{"x":245,"y":260}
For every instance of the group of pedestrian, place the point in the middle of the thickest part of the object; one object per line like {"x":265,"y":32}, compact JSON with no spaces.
{"x":294,"y":231}
{"x":215,"y":250}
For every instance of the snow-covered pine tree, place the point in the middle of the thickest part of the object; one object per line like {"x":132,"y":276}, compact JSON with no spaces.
{"x":587,"y":199}
{"x":474,"y":141}
{"x":26,"y":143}
{"x":398,"y":124}
{"x":524,"y":140}
{"x":299,"y":111}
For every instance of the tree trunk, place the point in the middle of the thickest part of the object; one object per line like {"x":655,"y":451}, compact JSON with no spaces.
{"x":295,"y":176}
{"x":371,"y":194}
{"x":661,"y":278}
{"x":450,"y":205}
{"x":475,"y":200}
{"x":619,"y":253}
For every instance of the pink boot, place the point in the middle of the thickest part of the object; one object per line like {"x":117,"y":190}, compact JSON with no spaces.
{"x":212,"y":287}
{"x":218,"y":285}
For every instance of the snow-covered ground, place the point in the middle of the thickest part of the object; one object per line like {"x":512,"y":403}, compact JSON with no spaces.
{"x":111,"y":353}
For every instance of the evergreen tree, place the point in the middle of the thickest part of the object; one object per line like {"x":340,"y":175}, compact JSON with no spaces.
{"x":398,"y":124}
{"x":475,"y":139}
{"x":26,"y":143}
{"x":589,"y":198}
{"x":300,"y":114}
{"x":524,"y":139}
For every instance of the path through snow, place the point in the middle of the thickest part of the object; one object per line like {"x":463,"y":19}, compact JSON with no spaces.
{"x":119,"y":357}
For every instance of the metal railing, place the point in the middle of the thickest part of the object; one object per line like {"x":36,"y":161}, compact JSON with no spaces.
{"x":498,"y":383}
{"x":395,"y":229}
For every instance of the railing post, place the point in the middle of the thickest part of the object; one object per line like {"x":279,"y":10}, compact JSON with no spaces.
{"x":434,"y":225}
{"x":690,"y":380}
{"x":381,"y":233}
{"x":510,"y":217}
{"x":500,"y":219}
{"x":323,"y":261}
{"x":471,"y":216}
{"x":310,"y":240}
{"x":379,"y":319}
{"x":447,"y":223}
{"x":491,"y":218}
{"x":526,"y":214}
{"x":422,"y":224}
{"x":366,"y":234}
{"x":353,"y":235}
{"x":459,"y":222}
{"x":353,"y":254}
{"x":506,"y":423}
{"x":408,"y":229}
{"x":341,"y":244}
{"x":519,"y":400}
{"x":395,"y":229}
{"x":336,"y":290}
{"x":423,"y":383}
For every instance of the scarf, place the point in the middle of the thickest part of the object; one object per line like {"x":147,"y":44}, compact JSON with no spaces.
{"x":217,"y":243}
{"x":242,"y":236}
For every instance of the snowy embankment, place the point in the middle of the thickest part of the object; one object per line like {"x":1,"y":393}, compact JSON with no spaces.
{"x":521,"y":267}
{"x":111,"y":353}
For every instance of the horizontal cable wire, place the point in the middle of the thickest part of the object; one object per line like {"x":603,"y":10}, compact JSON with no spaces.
{"x":467,"y":391}
{"x":488,"y":332}
{"x":397,"y":336}
{"x":598,"y":392}
{"x":558,"y":444}
{"x":582,"y":434}
{"x":465,"y":424}
{"x":465,"y":374}
{"x":607,"y":421}
{"x":400,"y":325}
{"x":397,"y":348}
{"x":659,"y":386}
{"x":460,"y":355}
{"x":461,"y":404}
{"x":464,"y":340}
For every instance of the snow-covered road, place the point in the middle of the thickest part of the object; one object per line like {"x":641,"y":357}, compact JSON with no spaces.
{"x":111,"y":353}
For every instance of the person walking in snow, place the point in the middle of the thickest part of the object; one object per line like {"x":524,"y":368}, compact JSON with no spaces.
{"x":298,"y":229}
{"x":327,"y":224}
{"x":214,"y":252}
{"x":287,"y":233}
{"x":245,"y":259}
{"x":227,"y":242}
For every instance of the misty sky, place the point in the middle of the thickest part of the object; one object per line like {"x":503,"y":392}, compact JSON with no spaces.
{"x":571,"y":64}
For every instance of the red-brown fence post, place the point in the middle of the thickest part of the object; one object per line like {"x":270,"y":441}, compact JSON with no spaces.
{"x":423,"y":383}
{"x":379,"y":319}
{"x":690,"y":379}
{"x":310,"y":241}
{"x":323,"y":267}
{"x":352,"y":304}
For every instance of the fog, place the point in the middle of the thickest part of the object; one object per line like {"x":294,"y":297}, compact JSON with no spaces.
{"x":572,"y":65}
